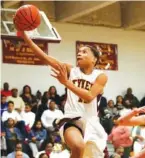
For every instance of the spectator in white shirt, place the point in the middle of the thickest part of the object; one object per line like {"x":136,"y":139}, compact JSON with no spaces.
{"x":19,"y":104}
{"x":11,"y":113}
{"x":28,"y":116}
{"x":50,"y":115}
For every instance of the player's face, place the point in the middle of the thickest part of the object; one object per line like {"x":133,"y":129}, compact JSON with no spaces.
{"x":85,"y":57}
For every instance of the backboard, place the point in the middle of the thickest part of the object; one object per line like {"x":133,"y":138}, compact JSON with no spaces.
{"x":45,"y":31}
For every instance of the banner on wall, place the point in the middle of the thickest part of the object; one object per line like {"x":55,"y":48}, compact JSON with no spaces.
{"x":18,"y":52}
{"x":108,"y":54}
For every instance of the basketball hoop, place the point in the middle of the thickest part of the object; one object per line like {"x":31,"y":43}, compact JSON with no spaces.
{"x":44,"y":32}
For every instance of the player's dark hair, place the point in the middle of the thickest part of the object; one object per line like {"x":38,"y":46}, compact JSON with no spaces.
{"x":95,"y":52}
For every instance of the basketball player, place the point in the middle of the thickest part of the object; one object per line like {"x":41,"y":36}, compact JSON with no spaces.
{"x":84,"y":85}
{"x":130,"y":119}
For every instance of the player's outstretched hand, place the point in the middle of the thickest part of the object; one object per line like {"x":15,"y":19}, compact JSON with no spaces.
{"x":142,"y":110}
{"x":61,"y":74}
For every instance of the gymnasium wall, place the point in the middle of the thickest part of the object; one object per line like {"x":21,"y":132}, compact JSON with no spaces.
{"x":131,"y":60}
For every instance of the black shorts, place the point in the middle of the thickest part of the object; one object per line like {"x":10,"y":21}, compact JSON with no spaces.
{"x":72,"y":124}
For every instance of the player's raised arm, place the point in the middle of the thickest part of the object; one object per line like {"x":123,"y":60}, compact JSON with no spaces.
{"x":47,"y":59}
{"x":21,"y":28}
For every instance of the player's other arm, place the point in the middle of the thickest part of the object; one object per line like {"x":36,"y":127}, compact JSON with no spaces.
{"x":131,"y":119}
{"x":134,"y":121}
{"x":95,"y":90}
{"x":48,"y":60}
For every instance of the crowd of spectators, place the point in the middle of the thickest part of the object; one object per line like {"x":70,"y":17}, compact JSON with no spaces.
{"x":26,"y":122}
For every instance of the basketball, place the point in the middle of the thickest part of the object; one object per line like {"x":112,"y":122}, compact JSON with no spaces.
{"x":27,"y":18}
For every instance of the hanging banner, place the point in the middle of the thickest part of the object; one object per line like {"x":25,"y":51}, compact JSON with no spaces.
{"x":18,"y":52}
{"x":108,"y":54}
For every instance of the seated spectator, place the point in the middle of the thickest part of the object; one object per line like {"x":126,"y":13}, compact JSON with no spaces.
{"x":109,"y":113}
{"x":6,"y":92}
{"x":45,"y":97}
{"x":102,"y":106}
{"x":119,"y":151}
{"x":4,"y":104}
{"x":38,"y":136}
{"x":44,"y":106}
{"x":18,"y":102}
{"x":18,"y":147}
{"x":11,"y":113}
{"x":130,"y":99}
{"x":19,"y":154}
{"x":119,"y":103}
{"x":64,"y":96}
{"x":29,"y":98}
{"x":27,"y":116}
{"x":106,"y":152}
{"x":138,"y":134}
{"x":52,"y":102}
{"x":13,"y":134}
{"x":112,"y":110}
{"x":56,"y":151}
{"x":43,"y":155}
{"x":142,"y":102}
{"x":125,"y":110}
{"x":3,"y":145}
{"x":115,"y":155}
{"x":63,"y":101}
{"x":62,"y":105}
{"x":38,"y":97}
{"x":48,"y":150}
{"x":52,"y":92}
{"x":50,"y":115}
